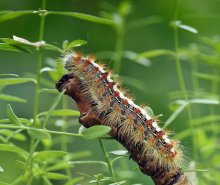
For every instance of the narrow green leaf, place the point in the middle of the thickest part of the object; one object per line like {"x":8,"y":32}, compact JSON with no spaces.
{"x":54,"y":105}
{"x":141,"y":60}
{"x":47,"y":181}
{"x":174,"y":115}
{"x":14,"y":149}
{"x":1,"y":169}
{"x":183,"y":105}
{"x":12,"y":117}
{"x":206,"y":77}
{"x":8,"y":15}
{"x":88,"y":162}
{"x":23,"y":120}
{"x":95,"y":132}
{"x":75,"y":43}
{"x":86,"y":17}
{"x":205,"y":101}
{"x":119,"y":152}
{"x":39,"y":134}
{"x":20,"y":164}
{"x":12,"y":98}
{"x":74,"y":180}
{"x":46,"y":69}
{"x":60,"y":166}
{"x":12,"y":81}
{"x":62,"y":112}
{"x":56,"y":176}
{"x":24,"y":42}
{"x":12,"y":42}
{"x":14,"y":75}
{"x":53,"y":48}
{"x":20,"y":46}
{"x":48,"y":154}
{"x":81,"y":129}
{"x":179,"y":24}
{"x":188,"y":28}
{"x":46,"y":90}
{"x":6,"y":47}
{"x":154,"y":53}
{"x":79,"y":155}
{"x":13,"y":134}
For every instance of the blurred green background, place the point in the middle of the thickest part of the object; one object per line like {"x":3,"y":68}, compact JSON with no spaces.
{"x":152,"y":78}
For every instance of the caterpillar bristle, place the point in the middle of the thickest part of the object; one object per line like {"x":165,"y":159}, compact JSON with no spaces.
{"x":112,"y":104}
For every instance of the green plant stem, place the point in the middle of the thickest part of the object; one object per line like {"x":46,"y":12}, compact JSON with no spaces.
{"x":39,"y":63}
{"x":181,"y":80}
{"x":63,"y":137}
{"x":214,"y":90}
{"x":119,"y":47}
{"x":195,"y":82}
{"x":37,"y":93}
{"x":64,"y":126}
{"x":39,"y":129}
{"x":111,"y":170}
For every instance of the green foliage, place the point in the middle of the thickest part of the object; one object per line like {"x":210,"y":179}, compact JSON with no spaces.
{"x":95,"y":132}
{"x":155,"y":54}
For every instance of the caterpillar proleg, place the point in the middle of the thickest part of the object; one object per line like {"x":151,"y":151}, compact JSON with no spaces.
{"x":101,"y":101}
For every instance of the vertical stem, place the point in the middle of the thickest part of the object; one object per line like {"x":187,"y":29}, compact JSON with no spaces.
{"x":195,"y":85}
{"x":119,"y":47}
{"x":39,"y":62}
{"x":214,"y":90}
{"x":181,"y":79}
{"x":63,"y":143}
{"x":107,"y":160}
{"x":34,"y":143}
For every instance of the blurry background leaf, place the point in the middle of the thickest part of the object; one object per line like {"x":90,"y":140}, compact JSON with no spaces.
{"x":12,"y":98}
{"x":12,"y":117}
{"x":7,"y":15}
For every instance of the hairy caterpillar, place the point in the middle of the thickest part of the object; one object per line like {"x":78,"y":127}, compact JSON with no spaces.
{"x":101,"y":101}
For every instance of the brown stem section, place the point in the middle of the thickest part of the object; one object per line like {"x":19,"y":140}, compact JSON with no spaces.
{"x":160,"y":176}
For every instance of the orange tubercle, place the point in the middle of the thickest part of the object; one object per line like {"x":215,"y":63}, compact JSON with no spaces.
{"x":141,"y":128}
{"x":149,"y":122}
{"x":137,"y":110}
{"x":124,"y":101}
{"x":104,"y":75}
{"x":87,"y":62}
{"x":78,"y":57}
{"x":116,"y":94}
{"x":160,"y":134}
{"x":111,"y":84}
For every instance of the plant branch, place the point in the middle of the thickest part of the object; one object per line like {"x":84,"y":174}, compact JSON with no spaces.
{"x":181,"y":78}
{"x":107,"y":160}
{"x":40,"y":130}
{"x":37,"y":95}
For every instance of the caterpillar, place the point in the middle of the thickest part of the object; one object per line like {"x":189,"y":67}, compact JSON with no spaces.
{"x":102,"y":101}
